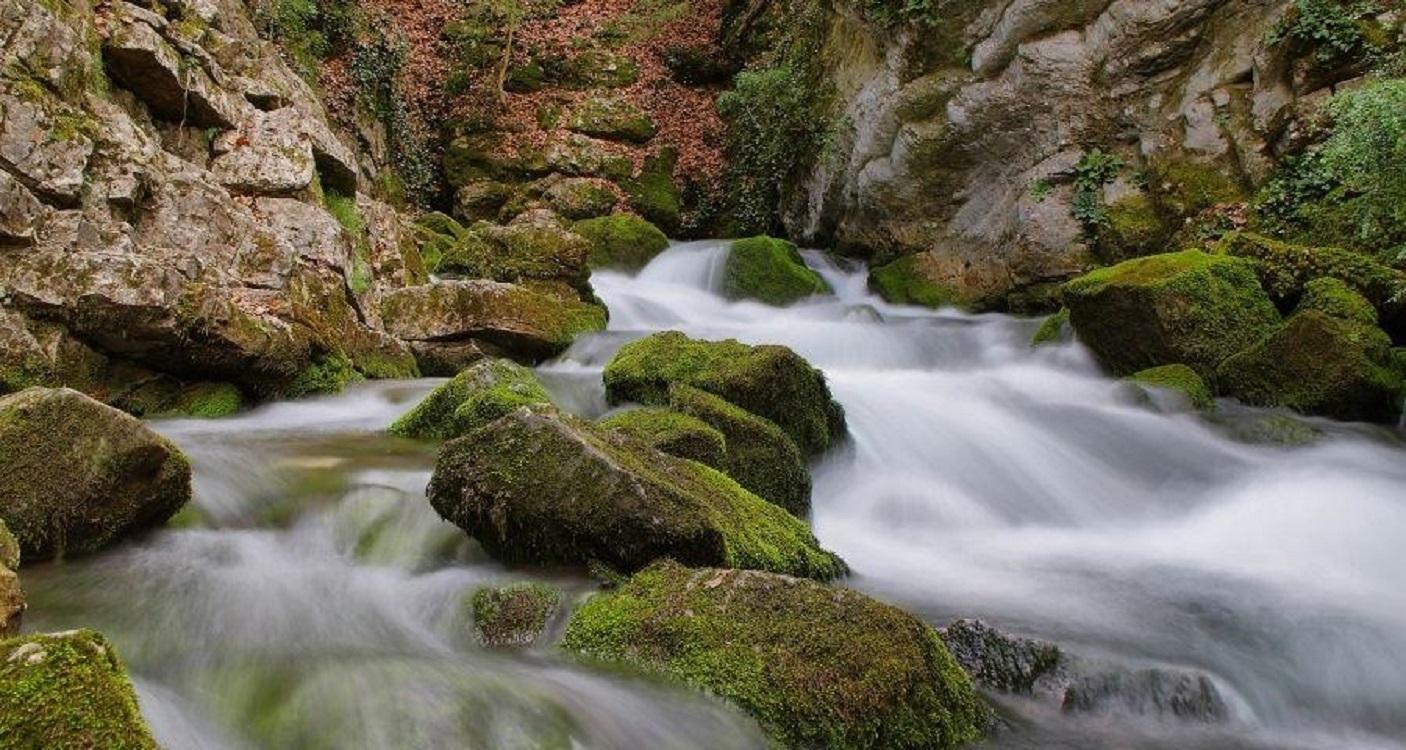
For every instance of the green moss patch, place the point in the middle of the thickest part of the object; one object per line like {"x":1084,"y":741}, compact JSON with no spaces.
{"x":621,"y":241}
{"x":769,"y":270}
{"x":611,"y":118}
{"x":478,"y":395}
{"x":1051,"y":330}
{"x":515,"y":615}
{"x":769,"y":381}
{"x":1285,"y":268}
{"x":654,"y":194}
{"x":902,"y":282}
{"x":1179,"y":378}
{"x":68,"y":691}
{"x":1335,"y":298}
{"x":328,"y":373}
{"x":818,"y":667}
{"x":675,"y":433}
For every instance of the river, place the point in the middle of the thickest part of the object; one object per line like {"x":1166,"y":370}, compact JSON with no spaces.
{"x":313,"y":599}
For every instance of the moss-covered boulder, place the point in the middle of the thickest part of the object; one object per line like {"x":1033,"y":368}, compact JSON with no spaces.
{"x":535,"y":246}
{"x":1318,"y":364}
{"x":1186,"y":308}
{"x":611,"y":118}
{"x":1178,"y":378}
{"x":1133,"y":228}
{"x":76,"y":475}
{"x":1285,"y":268}
{"x":1052,"y":329}
{"x":759,"y":455}
{"x":654,"y":194}
{"x":68,"y":691}
{"x":1335,"y":298}
{"x":905,"y":282}
{"x":817,"y":666}
{"x":621,"y":241}
{"x":547,"y":488}
{"x":579,"y":198}
{"x":513,"y":616}
{"x":480,"y":394}
{"x":769,"y":270}
{"x":769,"y":381}
{"x":674,"y":433}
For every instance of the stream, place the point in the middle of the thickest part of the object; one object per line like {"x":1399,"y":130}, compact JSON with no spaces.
{"x":313,"y":599}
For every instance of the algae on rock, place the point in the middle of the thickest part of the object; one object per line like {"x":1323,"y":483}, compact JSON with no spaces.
{"x":480,"y":394}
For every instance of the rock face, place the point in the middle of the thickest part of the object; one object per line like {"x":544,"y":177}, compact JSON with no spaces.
{"x":473,"y":398}
{"x":545,"y":488}
{"x":817,"y":666}
{"x":68,"y":691}
{"x":513,"y":616}
{"x":770,"y":381}
{"x":78,"y":475}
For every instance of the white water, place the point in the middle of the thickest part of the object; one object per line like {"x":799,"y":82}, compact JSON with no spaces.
{"x":319,"y":604}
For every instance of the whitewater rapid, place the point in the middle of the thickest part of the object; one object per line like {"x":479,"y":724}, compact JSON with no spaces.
{"x":315,"y":600}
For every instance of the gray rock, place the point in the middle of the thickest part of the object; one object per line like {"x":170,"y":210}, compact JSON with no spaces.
{"x":268,"y":154}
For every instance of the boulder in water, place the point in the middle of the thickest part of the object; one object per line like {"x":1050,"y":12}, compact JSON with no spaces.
{"x":769,"y":270}
{"x":674,"y":433}
{"x":1179,"y":308}
{"x":1053,"y":329}
{"x":1178,"y":378}
{"x":819,"y":667}
{"x":515,"y":615}
{"x":547,"y":488}
{"x":478,"y":395}
{"x":68,"y":691}
{"x":76,"y":475}
{"x":769,"y":381}
{"x":621,"y":241}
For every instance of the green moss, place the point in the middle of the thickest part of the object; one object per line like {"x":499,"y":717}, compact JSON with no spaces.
{"x":817,"y":666}
{"x":1322,"y":365}
{"x":612,"y":119}
{"x":1133,"y":228}
{"x":1335,"y":298}
{"x":769,"y":381}
{"x":1178,"y":308}
{"x":654,"y":194}
{"x":210,"y":400}
{"x":521,"y":251}
{"x":621,"y":241}
{"x":344,"y":209}
{"x":902,"y":282}
{"x":328,"y":373}
{"x":673,"y":432}
{"x":769,"y":270}
{"x":68,"y":691}
{"x":1179,"y":378}
{"x":9,"y":548}
{"x":1187,"y":187}
{"x":514,"y":615}
{"x":478,"y":395}
{"x":1285,"y":268}
{"x":581,"y":198}
{"x":542,"y":487}
{"x":759,"y":455}
{"x":1275,"y":429}
{"x":1051,"y":331}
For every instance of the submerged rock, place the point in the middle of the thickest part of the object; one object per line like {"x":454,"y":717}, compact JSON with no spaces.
{"x":478,"y":395}
{"x":999,"y":661}
{"x":1179,"y":308}
{"x":621,"y":241}
{"x":68,"y":691}
{"x":674,"y":433}
{"x":513,"y":616}
{"x":819,"y":667}
{"x":769,"y":381}
{"x":769,"y":270}
{"x":547,"y":488}
{"x":76,"y":475}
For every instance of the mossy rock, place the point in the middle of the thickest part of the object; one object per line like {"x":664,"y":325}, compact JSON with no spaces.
{"x":769,"y":381}
{"x":480,"y":394}
{"x":541,"y":487}
{"x":1133,"y":228}
{"x":68,"y":691}
{"x":479,"y":200}
{"x":593,"y":68}
{"x":902,"y":282}
{"x":1274,"y":429}
{"x":1052,"y":330}
{"x":1335,"y":298}
{"x":621,"y":241}
{"x":1317,"y":364}
{"x":1285,"y":269}
{"x":817,"y":666}
{"x":76,"y":475}
{"x":1179,"y":378}
{"x":674,"y":433}
{"x":534,"y":247}
{"x":578,"y":198}
{"x":1187,"y":187}
{"x":9,"y":548}
{"x":208,"y":401}
{"x":759,"y":455}
{"x":654,"y":193}
{"x":327,"y":373}
{"x":769,"y":270}
{"x":1178,"y":308}
{"x":513,"y":616}
{"x":699,"y":64}
{"x":611,"y":118}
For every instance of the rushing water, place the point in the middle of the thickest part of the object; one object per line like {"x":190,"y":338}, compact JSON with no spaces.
{"x":315,"y":600}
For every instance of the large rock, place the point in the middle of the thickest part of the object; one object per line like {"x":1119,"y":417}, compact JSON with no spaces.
{"x":547,"y":488}
{"x":533,"y":247}
{"x":68,"y":691}
{"x":1180,"y":308}
{"x":676,"y":434}
{"x":480,"y":394}
{"x":175,"y":89}
{"x":819,"y":667}
{"x":76,"y":475}
{"x":621,"y":241}
{"x":769,"y":270}
{"x":268,"y":154}
{"x":769,"y":381}
{"x":1319,"y":364}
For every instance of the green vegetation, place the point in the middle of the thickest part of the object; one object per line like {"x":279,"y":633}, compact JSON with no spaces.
{"x":327,"y":373}
{"x":344,"y":209}
{"x":621,"y":241}
{"x":1051,"y":331}
{"x":1094,"y":170}
{"x":818,"y":667}
{"x":1335,"y":298}
{"x":653,"y":193}
{"x":375,"y":65}
{"x":769,"y":270}
{"x":514,"y":615}
{"x":471,"y":399}
{"x":1333,"y":30}
{"x":1179,"y":378}
{"x":68,"y":691}
{"x":675,"y":433}
{"x":209,"y":400}
{"x":769,"y":381}
{"x":611,"y":118}
{"x":903,"y":282}
{"x":1285,"y":268}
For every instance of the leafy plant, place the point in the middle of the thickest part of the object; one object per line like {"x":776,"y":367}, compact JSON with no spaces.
{"x":1095,"y":169}
{"x":1332,"y":29}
